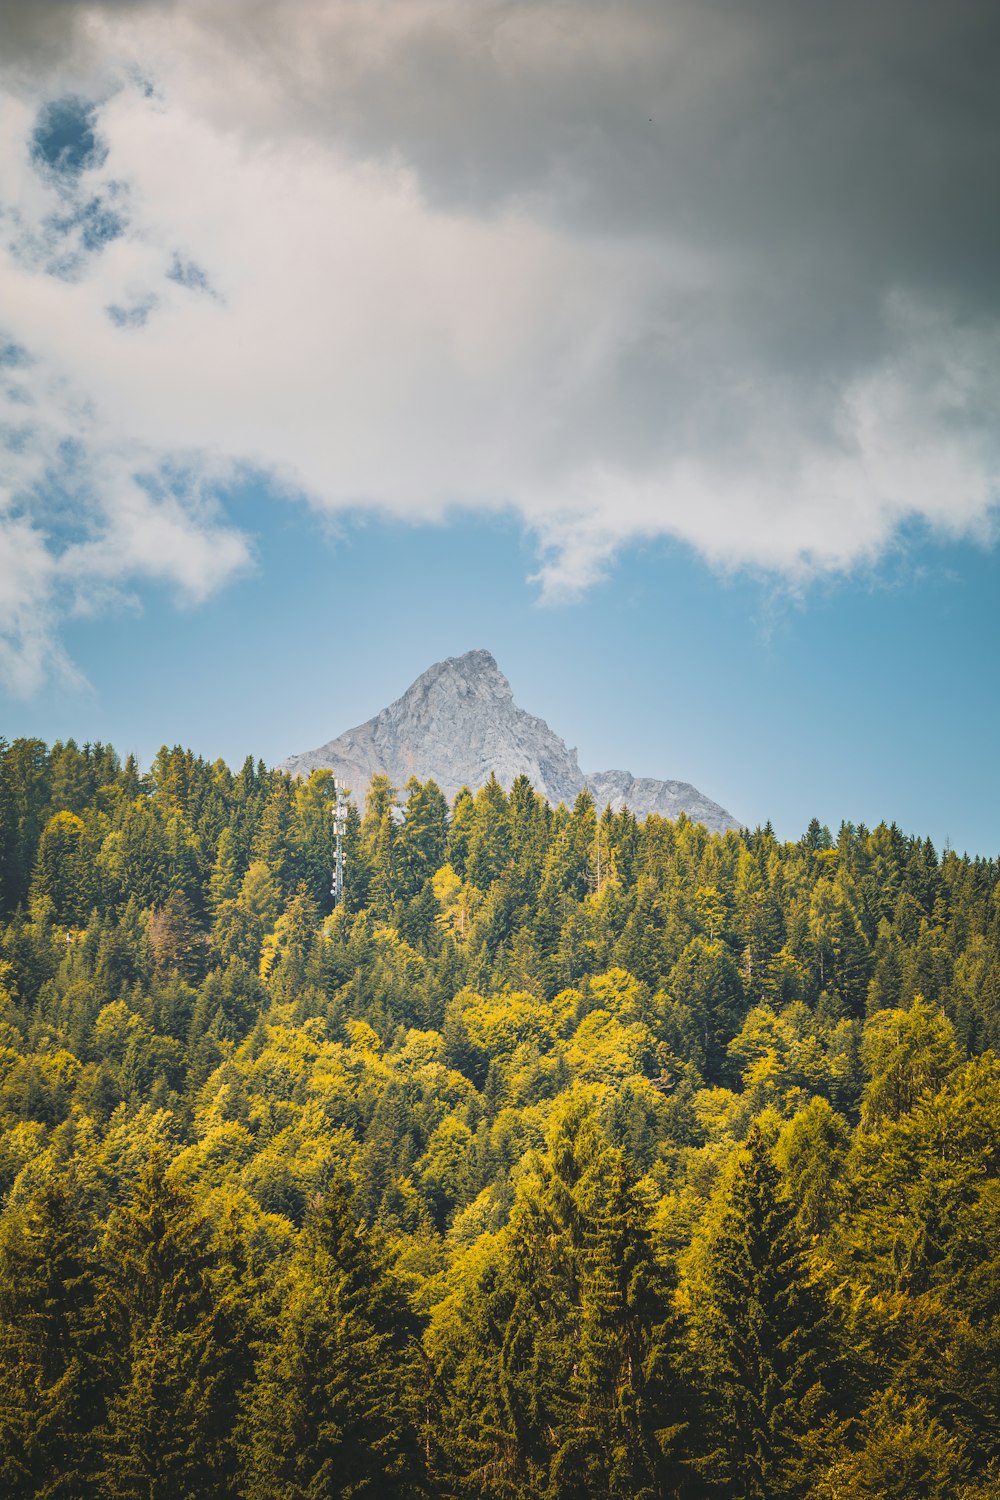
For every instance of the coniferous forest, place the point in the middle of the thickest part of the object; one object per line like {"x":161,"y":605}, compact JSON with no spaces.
{"x":568,"y":1157}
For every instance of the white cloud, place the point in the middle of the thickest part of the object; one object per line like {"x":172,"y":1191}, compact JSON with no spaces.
{"x":89,"y":506}
{"x":437,"y":258}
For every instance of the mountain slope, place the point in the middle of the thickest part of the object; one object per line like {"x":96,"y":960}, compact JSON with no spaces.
{"x":644,"y":794}
{"x":458,"y":723}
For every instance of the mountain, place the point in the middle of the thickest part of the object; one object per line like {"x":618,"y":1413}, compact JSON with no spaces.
{"x":459,"y":722}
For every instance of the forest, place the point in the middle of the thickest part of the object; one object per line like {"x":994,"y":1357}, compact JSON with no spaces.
{"x":568,"y":1157}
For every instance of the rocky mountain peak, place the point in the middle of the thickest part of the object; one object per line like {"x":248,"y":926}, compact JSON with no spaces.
{"x":479,"y":667}
{"x":458,"y":723}
{"x":475,"y":673}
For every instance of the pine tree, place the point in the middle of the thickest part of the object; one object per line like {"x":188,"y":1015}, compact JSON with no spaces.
{"x":508,"y":1364}
{"x":463,"y":814}
{"x":23,"y":799}
{"x":770,"y":1333}
{"x":64,"y":869}
{"x":313,"y":835}
{"x":173,"y":1362}
{"x":378,"y":837}
{"x":421,"y":842}
{"x":176,"y":940}
{"x":333,"y":1410}
{"x":706,"y":980}
{"x":273,"y":841}
{"x":905,"y":1453}
{"x":622,"y":1419}
{"x":224,"y":878}
{"x":51,"y":1387}
{"x":490,"y":836}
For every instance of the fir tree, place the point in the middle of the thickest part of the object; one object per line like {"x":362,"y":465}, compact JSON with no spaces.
{"x":770,"y":1340}
{"x":52,"y":1391}
{"x":171,"y":1358}
{"x":333,"y":1412}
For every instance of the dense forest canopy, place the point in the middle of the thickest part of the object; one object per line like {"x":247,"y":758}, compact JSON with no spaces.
{"x":569,"y":1157}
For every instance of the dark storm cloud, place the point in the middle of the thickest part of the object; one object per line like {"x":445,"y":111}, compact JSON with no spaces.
{"x":728,"y":272}
{"x":824,"y":156}
{"x":832,"y":150}
{"x":828,"y":151}
{"x":40,"y":33}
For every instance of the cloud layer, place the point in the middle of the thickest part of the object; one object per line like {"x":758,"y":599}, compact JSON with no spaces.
{"x":722,"y":273}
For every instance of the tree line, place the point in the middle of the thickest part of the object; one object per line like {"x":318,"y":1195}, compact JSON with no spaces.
{"x":571,"y":1156}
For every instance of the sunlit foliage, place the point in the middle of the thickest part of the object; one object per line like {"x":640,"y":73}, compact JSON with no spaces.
{"x":569,"y":1157}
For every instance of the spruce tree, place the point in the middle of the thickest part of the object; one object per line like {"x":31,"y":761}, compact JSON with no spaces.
{"x":64,"y":869}
{"x":421,"y":841}
{"x":173,"y":1360}
{"x":622,"y":1419}
{"x":770,"y":1348}
{"x":51,"y":1384}
{"x":333,"y":1411}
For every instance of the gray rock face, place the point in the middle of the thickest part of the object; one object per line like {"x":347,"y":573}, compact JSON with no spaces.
{"x":644,"y":794}
{"x":459,"y":722}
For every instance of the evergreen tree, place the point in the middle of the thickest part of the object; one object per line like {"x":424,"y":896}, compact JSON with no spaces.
{"x":333,"y":1412}
{"x":463,"y":815}
{"x":769,"y":1333}
{"x":490,"y":836}
{"x":23,"y":801}
{"x":623,"y":1414}
{"x":172,"y":1362}
{"x":423,"y":837}
{"x":52,"y":1390}
{"x":273,"y":842}
{"x":224,"y":879}
{"x":64,"y":870}
{"x":378,"y":838}
{"x":706,"y":980}
{"x":313,"y":835}
{"x":906,"y":1454}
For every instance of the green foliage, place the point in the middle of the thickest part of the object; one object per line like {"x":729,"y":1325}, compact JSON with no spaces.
{"x":762,"y":1324}
{"x":570,"y":1156}
{"x":64,"y":869}
{"x":173,"y":1354}
{"x":52,"y":1384}
{"x":330,"y":1413}
{"x":905,"y":1454}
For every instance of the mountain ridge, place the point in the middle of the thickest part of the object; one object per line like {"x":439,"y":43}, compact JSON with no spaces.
{"x":458,"y":723}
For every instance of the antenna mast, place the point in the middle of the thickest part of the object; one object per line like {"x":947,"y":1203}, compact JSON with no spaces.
{"x":339,"y":811}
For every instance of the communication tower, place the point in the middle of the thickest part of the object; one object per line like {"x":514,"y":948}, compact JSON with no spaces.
{"x":339,"y":829}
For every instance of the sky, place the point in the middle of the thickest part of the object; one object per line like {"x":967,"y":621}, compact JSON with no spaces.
{"x":653,"y":345}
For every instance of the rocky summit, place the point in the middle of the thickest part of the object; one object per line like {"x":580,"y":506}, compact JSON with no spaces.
{"x":458,"y":723}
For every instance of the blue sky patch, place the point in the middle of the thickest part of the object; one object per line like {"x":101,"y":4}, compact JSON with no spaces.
{"x":188,"y":273}
{"x":12,"y":356}
{"x":99,"y":224}
{"x":135,"y":316}
{"x":65,"y":140}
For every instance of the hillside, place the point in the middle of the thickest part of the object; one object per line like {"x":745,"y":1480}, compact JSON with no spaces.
{"x":570,"y":1156}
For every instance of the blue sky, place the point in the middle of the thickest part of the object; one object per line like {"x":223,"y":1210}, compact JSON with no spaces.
{"x":652,"y":344}
{"x":865,"y":698}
